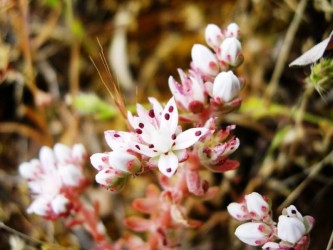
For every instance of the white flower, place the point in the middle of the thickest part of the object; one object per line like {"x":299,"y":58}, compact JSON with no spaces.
{"x":190,"y":94}
{"x":213,"y":35}
{"x":226,"y":87}
{"x":253,"y":233}
{"x":257,"y":206}
{"x":158,"y":136}
{"x":238,"y":211}
{"x":50,"y":178}
{"x":230,"y":52}
{"x":290,"y":229}
{"x":204,"y":60}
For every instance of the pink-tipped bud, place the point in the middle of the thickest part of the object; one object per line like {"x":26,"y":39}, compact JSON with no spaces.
{"x":213,"y":35}
{"x":226,"y":87}
{"x":253,"y":233}
{"x":232,"y":30}
{"x":204,"y":60}
{"x":238,"y":211}
{"x":257,"y":206}
{"x":230,"y":52}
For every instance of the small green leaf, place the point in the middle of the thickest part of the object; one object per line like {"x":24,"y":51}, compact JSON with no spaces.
{"x":91,"y":104}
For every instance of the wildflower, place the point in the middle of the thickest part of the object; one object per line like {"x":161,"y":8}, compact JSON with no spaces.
{"x":254,"y":233}
{"x":190,"y":94}
{"x":292,"y":226}
{"x":226,"y":87}
{"x":204,"y":61}
{"x":213,"y":36}
{"x":157,"y":136}
{"x":230,"y":52}
{"x":52,"y":177}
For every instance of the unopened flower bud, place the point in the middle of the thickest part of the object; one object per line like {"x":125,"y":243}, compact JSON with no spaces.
{"x":232,"y":30}
{"x":253,"y":233}
{"x":230,"y":52}
{"x":204,"y":60}
{"x":112,"y":179}
{"x":213,"y":35}
{"x":238,"y":211}
{"x":226,"y":87}
{"x":257,"y":206}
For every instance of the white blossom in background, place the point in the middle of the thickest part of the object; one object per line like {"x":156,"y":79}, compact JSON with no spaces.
{"x":52,"y":177}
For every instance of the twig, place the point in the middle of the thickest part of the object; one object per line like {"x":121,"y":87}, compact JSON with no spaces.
{"x":330,"y":242}
{"x":271,"y":89}
{"x":315,"y":169}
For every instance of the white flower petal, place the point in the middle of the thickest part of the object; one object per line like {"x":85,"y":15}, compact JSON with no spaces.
{"x":119,"y":139}
{"x":79,"y":153}
{"x":39,"y":206}
{"x":29,"y":170}
{"x":169,"y":119}
{"x":59,"y":204}
{"x":188,"y":138}
{"x":168,"y":164}
{"x":290,"y":229}
{"x":63,"y":153}
{"x":46,"y":157}
{"x":100,"y":161}
{"x":71,"y":175}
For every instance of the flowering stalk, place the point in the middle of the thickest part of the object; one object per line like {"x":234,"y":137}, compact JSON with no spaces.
{"x":157,"y":140}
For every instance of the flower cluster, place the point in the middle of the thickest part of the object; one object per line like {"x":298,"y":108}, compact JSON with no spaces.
{"x":291,"y":230}
{"x":211,"y":74}
{"x":156,"y":140}
{"x":53,"y":178}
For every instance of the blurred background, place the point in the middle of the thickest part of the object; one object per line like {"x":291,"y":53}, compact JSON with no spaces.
{"x":50,"y":91}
